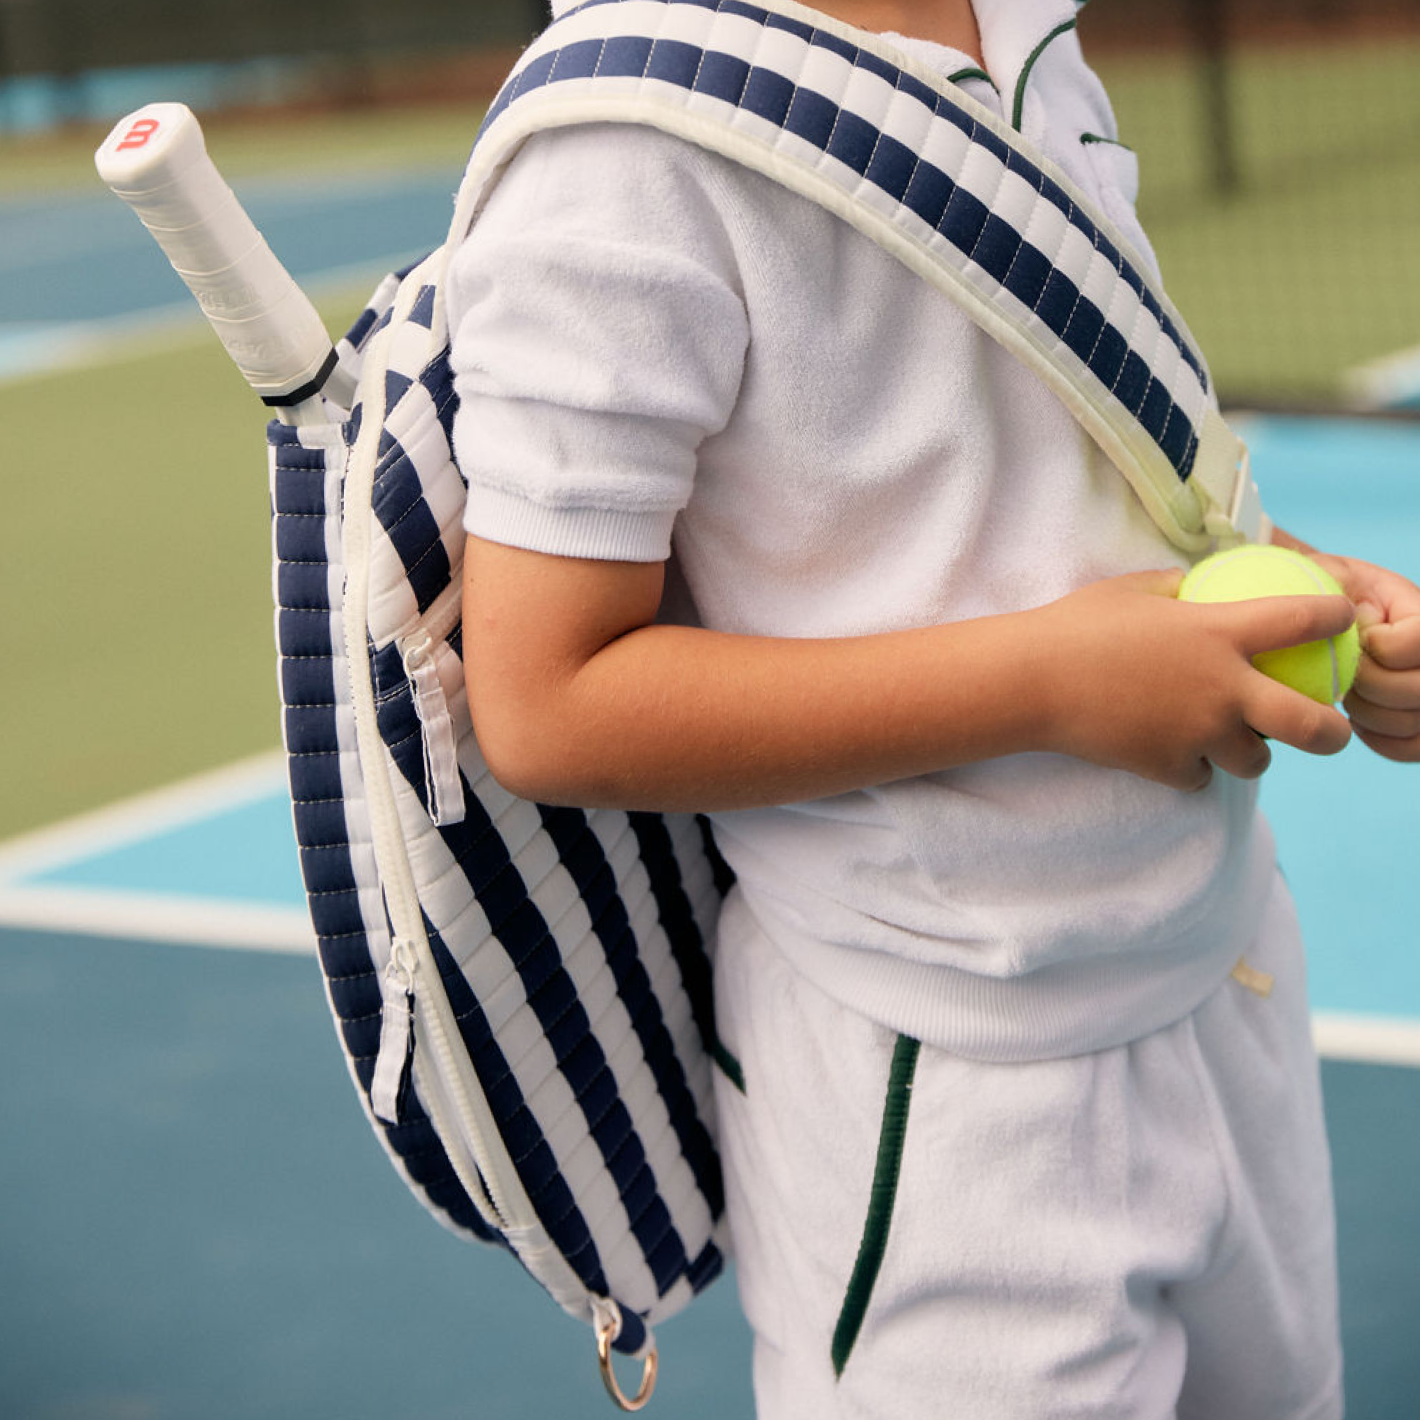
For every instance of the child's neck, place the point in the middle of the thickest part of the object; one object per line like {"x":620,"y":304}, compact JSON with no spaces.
{"x":949,"y":22}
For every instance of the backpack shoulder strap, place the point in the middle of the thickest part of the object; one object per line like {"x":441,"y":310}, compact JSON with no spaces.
{"x":846,"y":120}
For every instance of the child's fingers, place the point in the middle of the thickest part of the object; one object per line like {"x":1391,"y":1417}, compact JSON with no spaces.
{"x":1270,"y":623}
{"x":1379,"y":720}
{"x":1384,"y":704}
{"x":1393,"y":645}
{"x":1388,"y":689}
{"x":1401,"y":750}
{"x":1244,"y":755}
{"x":1286,"y":715}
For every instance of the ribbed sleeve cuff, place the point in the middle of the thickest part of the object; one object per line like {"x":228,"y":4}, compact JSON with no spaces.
{"x":604,"y":534}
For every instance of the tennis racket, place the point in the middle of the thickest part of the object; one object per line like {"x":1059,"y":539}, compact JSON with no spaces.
{"x":155,"y":159}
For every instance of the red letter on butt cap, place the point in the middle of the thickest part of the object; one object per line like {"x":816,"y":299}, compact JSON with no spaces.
{"x":139,"y":134}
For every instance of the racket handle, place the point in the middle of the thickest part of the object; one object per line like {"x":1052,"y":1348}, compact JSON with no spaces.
{"x":156,"y":161}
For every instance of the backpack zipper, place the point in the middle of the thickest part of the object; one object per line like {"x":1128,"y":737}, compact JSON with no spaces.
{"x":420,"y":1040}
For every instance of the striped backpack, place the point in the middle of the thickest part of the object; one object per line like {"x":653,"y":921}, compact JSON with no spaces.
{"x":523,"y":992}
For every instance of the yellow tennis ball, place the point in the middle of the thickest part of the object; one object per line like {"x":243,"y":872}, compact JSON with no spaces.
{"x":1324,"y":669}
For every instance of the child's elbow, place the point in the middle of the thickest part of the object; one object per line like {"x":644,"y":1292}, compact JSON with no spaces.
{"x":524,"y":759}
{"x":545,"y":751}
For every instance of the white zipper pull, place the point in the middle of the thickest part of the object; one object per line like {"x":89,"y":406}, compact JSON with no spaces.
{"x":443,"y":788}
{"x":396,"y":1053}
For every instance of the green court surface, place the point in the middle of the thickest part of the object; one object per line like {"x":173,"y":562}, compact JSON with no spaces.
{"x":136,"y":507}
{"x":1306,"y":270}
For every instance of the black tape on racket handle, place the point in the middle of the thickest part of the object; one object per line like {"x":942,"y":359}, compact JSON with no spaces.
{"x":157,"y":162}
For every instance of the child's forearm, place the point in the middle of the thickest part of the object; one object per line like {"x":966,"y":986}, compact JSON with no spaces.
{"x":672,"y":717}
{"x":577,"y":697}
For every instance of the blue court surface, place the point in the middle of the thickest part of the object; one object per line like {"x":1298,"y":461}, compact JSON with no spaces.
{"x":77,"y":271}
{"x":198,"y":1222}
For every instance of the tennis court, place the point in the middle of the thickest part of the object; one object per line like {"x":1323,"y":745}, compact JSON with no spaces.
{"x":197,"y":1219}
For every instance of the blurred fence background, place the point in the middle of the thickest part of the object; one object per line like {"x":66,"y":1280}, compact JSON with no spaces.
{"x":1279,"y":145}
{"x":1279,"y":139}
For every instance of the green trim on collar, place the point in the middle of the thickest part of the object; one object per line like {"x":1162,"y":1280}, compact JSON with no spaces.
{"x":881,"y":1198}
{"x":1020,"y":100}
{"x":1100,"y":138}
{"x":962,"y":75}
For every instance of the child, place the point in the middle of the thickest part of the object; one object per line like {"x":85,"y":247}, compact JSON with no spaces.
{"x":987,"y":787}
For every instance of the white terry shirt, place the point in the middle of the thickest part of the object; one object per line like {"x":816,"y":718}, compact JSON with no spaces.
{"x":656,"y":349}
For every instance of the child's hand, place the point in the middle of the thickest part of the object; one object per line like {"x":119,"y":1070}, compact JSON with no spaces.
{"x":1384,"y":704}
{"x":1166,"y":689}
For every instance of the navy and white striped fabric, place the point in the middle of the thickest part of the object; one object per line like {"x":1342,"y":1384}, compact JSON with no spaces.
{"x":572,"y":945}
{"x":917,"y":164}
{"x":570,"y":949}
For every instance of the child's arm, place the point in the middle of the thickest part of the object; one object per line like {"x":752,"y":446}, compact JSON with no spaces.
{"x":577,"y":696}
{"x":1385,"y":704}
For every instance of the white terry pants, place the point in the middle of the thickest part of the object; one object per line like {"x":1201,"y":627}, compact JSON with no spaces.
{"x":1146,"y":1232}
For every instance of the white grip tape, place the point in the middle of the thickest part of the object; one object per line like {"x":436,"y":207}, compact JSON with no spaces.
{"x":156,"y":161}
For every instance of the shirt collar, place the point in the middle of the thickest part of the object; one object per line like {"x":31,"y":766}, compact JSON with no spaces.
{"x":1012,"y":34}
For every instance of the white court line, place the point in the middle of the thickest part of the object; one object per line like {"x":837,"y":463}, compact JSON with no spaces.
{"x":32,"y":350}
{"x":1391,"y":382}
{"x":1373,"y":1040}
{"x":210,"y":922}
{"x":191,"y":922}
{"x":108,"y":912}
{"x":143,"y":815}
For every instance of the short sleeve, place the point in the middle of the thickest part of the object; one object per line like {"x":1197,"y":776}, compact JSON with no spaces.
{"x":598,"y":335}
